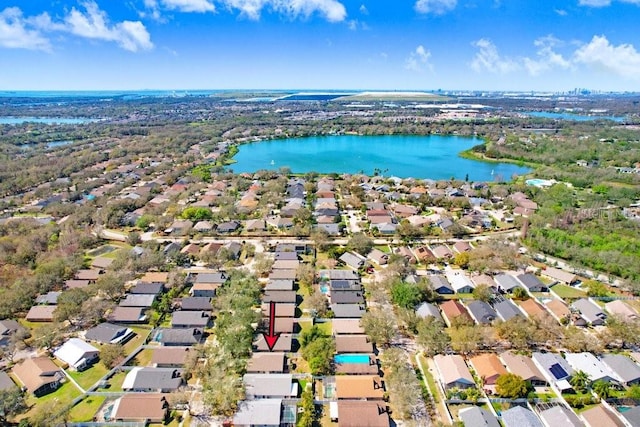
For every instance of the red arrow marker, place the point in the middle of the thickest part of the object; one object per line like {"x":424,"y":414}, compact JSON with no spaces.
{"x":271,"y":338}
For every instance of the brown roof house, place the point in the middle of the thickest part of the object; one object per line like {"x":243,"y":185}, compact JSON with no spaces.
{"x":169,"y":357}
{"x":368,"y":387}
{"x":266,"y":363}
{"x":452,"y":309}
{"x":488,"y":367}
{"x":361,"y":413}
{"x":141,"y":407}
{"x":41,"y":313}
{"x":353,"y":344}
{"x":453,"y":372}
{"x":39,"y":375}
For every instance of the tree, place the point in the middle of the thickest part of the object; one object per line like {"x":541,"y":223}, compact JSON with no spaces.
{"x":405,"y":294}
{"x":309,"y":413}
{"x":483,"y":292}
{"x":580,"y":381}
{"x":318,"y":351}
{"x":512,"y":386}
{"x":70,"y":305}
{"x":461,"y":259}
{"x":12,"y":403}
{"x":133,"y":238}
{"x":360,"y":243}
{"x":518,"y":331}
{"x":318,"y":304}
{"x":520,"y":294}
{"x":111,"y":284}
{"x":305,"y":274}
{"x":111,"y":355}
{"x":602,"y":389}
{"x":262,"y":264}
{"x":432,"y":336}
{"x":465,"y":339}
{"x":595,"y":288}
{"x":194,"y":213}
{"x":379,"y":326}
{"x":320,"y":239}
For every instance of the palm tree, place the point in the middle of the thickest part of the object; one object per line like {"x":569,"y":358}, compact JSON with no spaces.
{"x":602,"y":389}
{"x":580,"y":381}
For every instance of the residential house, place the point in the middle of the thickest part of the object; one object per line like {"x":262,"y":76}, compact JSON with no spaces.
{"x":266,"y":363}
{"x":349,"y":275}
{"x":279,"y":285}
{"x":266,"y":386}
{"x":352,"y":311}
{"x":6,"y":383}
{"x":50,"y":298}
{"x":8,"y":327}
{"x":353,"y":260}
{"x":625,"y":371}
{"x":161,"y":380}
{"x":227,"y":227}
{"x":72,"y":284}
{"x":282,"y":275}
{"x":558,"y":309}
{"x":127,"y":315}
{"x":524,"y":367}
{"x":346,"y":297}
{"x":286,"y":297}
{"x":532,"y":283}
{"x":190,"y":319}
{"x":621,"y":309}
{"x":559,"y":275}
{"x":285,"y":325}
{"x":357,"y":413}
{"x":78,"y":354}
{"x":482,"y":312}
{"x":440,"y":284}
{"x":451,"y":309}
{"x":462,"y":247}
{"x":285,"y":264}
{"x":442,"y":252}
{"x":560,"y":415}
{"x":377,"y":256}
{"x":590,"y":311}
{"x":91,"y":275}
{"x":203,"y":227}
{"x":353,"y":344}
{"x":155,"y":277}
{"x":555,"y":369}
{"x":460,"y":283}
{"x":140,"y":407}
{"x":108,"y":333}
{"x":145,"y":288}
{"x":345,"y":286}
{"x":453,"y":372}
{"x":367,"y":366}
{"x":284,"y":343}
{"x":600,"y":416}
{"x":506,"y":283}
{"x":426,"y":309}
{"x":506,"y":309}
{"x":346,"y":327}
{"x":361,"y":387}
{"x":424,"y":254}
{"x":519,"y":416}
{"x":41,"y":313}
{"x":632,"y":415}
{"x":591,"y":365}
{"x":488,"y":367}
{"x":138,"y":300}
{"x":532,"y":309}
{"x":39,"y":375}
{"x":475,"y":416}
{"x":196,"y":304}
{"x":282,"y":309}
{"x":169,"y":357}
{"x":179,"y":337}
{"x":261,"y":412}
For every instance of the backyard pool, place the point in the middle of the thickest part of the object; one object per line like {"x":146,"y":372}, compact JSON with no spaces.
{"x":360,"y":359}
{"x":324,"y":289}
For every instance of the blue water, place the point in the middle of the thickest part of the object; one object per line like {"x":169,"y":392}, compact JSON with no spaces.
{"x":46,"y":120}
{"x":433,"y":156}
{"x":358,"y":359}
{"x":324,"y":289}
{"x":570,"y":116}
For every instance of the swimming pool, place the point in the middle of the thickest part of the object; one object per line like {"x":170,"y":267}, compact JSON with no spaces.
{"x":360,"y":359}
{"x":324,"y":289}
{"x":537,"y":182}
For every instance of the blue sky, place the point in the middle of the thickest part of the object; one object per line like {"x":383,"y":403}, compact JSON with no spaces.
{"x":543,"y":45}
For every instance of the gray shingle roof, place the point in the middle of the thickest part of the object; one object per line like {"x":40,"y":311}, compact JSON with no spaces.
{"x":482,"y":312}
{"x":477,"y":417}
{"x":506,"y":309}
{"x":106,"y":332}
{"x":518,"y":416}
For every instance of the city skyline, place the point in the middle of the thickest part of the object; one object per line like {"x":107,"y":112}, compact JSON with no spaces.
{"x":320,"y":44}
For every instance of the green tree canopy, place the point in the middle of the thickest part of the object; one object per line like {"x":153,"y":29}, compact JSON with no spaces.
{"x":512,"y":386}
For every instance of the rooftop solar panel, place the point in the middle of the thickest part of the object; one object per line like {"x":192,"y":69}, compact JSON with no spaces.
{"x":558,"y":371}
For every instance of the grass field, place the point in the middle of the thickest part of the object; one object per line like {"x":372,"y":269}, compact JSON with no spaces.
{"x":63,"y":396}
{"x":86,"y":409}
{"x":564,"y":291}
{"x":141,"y":334}
{"x":143,"y":358}
{"x":89,"y":377}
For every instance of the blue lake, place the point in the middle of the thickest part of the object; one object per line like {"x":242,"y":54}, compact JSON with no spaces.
{"x":432,"y":156}
{"x":571,"y":116}
{"x":45,"y":120}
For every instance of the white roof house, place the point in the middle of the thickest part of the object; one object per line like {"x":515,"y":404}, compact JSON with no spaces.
{"x":588,"y":363}
{"x":262,"y":412}
{"x":460,"y":283}
{"x":77,"y":353}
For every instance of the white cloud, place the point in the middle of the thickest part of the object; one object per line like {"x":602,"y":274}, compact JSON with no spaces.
{"x":331,"y":10}
{"x":437,"y":7}
{"x":130,"y":35}
{"x":489,"y":59}
{"x":363,"y":9}
{"x":16,"y":32}
{"x":604,"y":3}
{"x":200,"y":6}
{"x":561,"y":12}
{"x":599,"y":53}
{"x":547,"y":57}
{"x":418,"y":59}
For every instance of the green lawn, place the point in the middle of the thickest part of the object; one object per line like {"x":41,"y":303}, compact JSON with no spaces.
{"x":325,"y":328}
{"x":89,"y":377}
{"x":143,"y":358}
{"x":564,"y":291}
{"x":115,"y":382}
{"x":141,"y":334}
{"x":64,"y":395}
{"x":86,"y":409}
